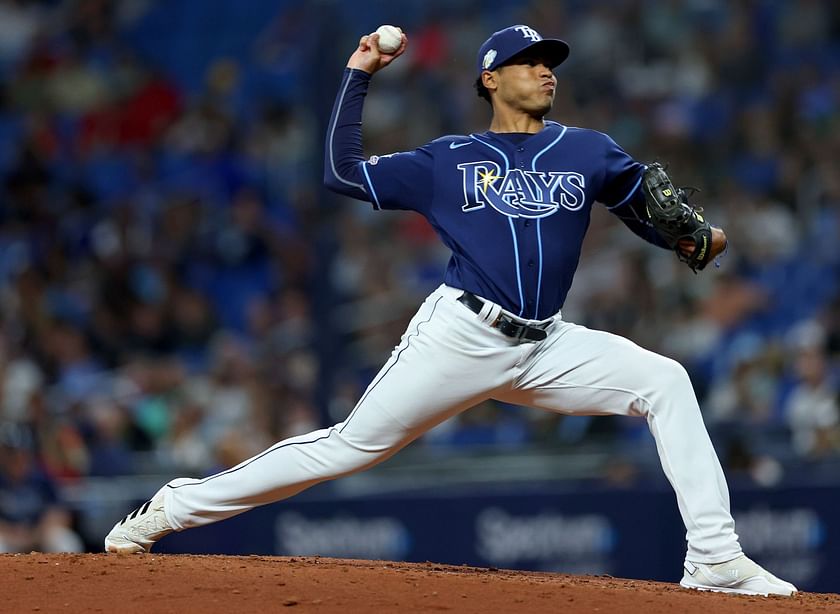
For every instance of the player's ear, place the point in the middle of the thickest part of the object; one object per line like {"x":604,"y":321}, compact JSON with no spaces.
{"x":489,"y":80}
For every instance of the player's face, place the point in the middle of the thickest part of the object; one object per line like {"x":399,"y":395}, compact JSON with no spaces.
{"x":526,"y":82}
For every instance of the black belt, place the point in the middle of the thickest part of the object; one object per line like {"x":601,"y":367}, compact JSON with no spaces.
{"x":505,"y":324}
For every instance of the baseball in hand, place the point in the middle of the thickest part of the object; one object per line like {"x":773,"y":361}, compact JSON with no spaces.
{"x":390,"y":38}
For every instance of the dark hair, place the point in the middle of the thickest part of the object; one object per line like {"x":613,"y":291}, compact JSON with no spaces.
{"x":482,"y":91}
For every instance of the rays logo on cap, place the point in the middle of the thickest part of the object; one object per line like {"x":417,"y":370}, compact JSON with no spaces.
{"x":505,"y":44}
{"x":488,"y":58}
{"x":529,"y":33}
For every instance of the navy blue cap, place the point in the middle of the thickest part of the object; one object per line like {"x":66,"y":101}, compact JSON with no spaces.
{"x":505,"y":44}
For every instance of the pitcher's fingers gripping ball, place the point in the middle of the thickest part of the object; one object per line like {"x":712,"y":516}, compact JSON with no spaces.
{"x":390,"y":38}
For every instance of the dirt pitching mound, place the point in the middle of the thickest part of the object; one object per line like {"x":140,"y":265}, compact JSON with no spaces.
{"x":184,"y":583}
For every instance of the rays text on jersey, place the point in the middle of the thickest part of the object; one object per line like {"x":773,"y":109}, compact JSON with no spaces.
{"x":520,"y":193}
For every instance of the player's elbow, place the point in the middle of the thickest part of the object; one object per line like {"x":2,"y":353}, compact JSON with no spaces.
{"x":331,"y":182}
{"x":334,"y":183}
{"x":344,"y":177}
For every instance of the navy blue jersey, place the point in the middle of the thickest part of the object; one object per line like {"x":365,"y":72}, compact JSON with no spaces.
{"x":25,"y":502}
{"x":513,"y":208}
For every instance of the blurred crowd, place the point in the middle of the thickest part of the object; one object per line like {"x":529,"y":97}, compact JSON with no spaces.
{"x":177,"y":290}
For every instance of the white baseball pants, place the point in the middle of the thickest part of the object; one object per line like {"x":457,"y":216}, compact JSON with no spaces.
{"x":448,"y":360}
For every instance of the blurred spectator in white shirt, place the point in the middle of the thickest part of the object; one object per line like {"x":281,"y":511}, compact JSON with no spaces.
{"x":812,"y":410}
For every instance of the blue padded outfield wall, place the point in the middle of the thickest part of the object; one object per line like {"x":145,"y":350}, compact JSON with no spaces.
{"x":795,"y":532}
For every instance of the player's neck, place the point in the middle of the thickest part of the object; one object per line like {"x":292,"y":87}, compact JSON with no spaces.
{"x":506,"y":120}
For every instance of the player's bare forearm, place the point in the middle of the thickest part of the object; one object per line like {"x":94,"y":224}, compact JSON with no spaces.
{"x":369,"y":58}
{"x":718,"y":241}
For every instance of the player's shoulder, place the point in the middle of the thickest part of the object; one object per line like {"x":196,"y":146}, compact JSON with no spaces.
{"x":576,"y":132}
{"x":450,"y":141}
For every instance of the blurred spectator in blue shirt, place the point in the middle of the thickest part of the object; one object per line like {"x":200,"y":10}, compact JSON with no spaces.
{"x":31,"y":515}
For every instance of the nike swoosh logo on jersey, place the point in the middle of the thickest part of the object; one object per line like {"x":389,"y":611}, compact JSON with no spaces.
{"x":454,"y":145}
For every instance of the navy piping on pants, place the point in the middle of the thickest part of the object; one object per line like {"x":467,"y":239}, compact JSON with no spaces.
{"x":332,"y":429}
{"x":381,"y":377}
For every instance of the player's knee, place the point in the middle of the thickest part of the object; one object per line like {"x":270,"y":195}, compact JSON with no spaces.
{"x":359,"y":454}
{"x":671,"y":374}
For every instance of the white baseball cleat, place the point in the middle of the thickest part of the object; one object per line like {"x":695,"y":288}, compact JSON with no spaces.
{"x":138,"y":531}
{"x":740,"y":576}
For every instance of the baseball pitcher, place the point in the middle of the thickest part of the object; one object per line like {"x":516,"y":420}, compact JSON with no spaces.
{"x":513,"y":205}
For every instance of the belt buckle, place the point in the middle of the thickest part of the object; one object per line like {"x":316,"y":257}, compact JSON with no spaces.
{"x":521,"y":328}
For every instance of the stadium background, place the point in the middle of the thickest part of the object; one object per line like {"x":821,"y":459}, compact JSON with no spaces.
{"x":178,"y":291}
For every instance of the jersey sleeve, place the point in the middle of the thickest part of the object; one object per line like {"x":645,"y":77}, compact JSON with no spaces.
{"x":621,"y":192}
{"x":622,"y":177}
{"x":396,"y":181}
{"x":403,"y":180}
{"x":343,"y":149}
